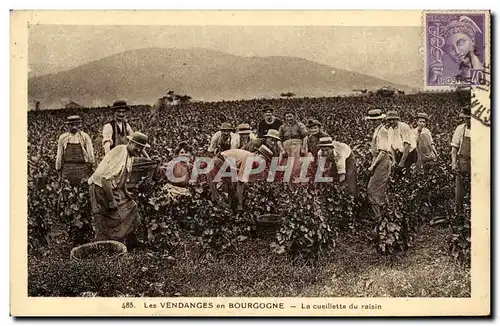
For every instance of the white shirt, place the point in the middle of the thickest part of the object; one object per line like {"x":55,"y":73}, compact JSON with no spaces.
{"x":460,"y":132}
{"x":107,"y":132}
{"x":380,"y":140}
{"x":79,"y":137}
{"x":400,"y":135}
{"x":113,"y":166}
{"x":424,"y":131}
{"x":215,"y":141}
{"x":341,"y":153}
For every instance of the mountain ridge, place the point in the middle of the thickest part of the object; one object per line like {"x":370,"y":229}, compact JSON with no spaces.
{"x":143,"y":75}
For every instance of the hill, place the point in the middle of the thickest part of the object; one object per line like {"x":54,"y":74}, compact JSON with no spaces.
{"x":142,"y":76}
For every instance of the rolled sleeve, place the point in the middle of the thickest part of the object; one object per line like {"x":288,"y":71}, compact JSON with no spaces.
{"x":341,"y":165}
{"x":457,"y":139}
{"x":90,"y":149}
{"x":214,"y":141}
{"x":60,"y":151}
{"x":130,"y":131}
{"x":406,"y":135}
{"x":235,"y":141}
{"x":282,"y":132}
{"x":303,"y":130}
{"x":107,"y":134}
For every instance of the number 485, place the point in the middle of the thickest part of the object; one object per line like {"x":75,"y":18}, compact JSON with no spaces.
{"x":127,"y":305}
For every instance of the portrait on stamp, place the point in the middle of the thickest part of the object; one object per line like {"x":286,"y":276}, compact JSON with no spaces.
{"x":455,"y":49}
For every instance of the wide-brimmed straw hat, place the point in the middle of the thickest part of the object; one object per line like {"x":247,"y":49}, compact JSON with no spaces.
{"x":244,"y":129}
{"x":139,"y":138}
{"x":393,"y":114}
{"x":375,"y":114}
{"x":422,"y":115}
{"x":264,"y":150}
{"x":313,"y":123}
{"x":465,"y":112}
{"x":73,"y":119}
{"x":273,"y":133}
{"x":120,"y":104}
{"x":226,"y":126}
{"x":325,"y":142}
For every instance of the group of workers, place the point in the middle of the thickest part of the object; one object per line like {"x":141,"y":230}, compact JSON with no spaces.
{"x":394,"y":145}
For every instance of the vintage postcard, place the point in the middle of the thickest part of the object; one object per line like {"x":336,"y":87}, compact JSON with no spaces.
{"x":250,"y":163}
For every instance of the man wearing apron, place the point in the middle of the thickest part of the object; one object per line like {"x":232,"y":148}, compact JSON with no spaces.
{"x":115,"y":132}
{"x":426,"y":150}
{"x":75,"y":154}
{"x":115,"y":213}
{"x":460,"y":158}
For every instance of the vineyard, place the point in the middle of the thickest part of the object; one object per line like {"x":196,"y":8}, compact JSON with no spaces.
{"x":326,"y":243}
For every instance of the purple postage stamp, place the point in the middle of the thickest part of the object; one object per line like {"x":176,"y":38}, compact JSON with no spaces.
{"x":455,"y":49}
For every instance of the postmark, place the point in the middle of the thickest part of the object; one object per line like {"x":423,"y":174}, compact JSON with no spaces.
{"x":455,"y":49}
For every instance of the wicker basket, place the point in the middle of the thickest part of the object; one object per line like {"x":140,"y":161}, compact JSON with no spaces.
{"x":141,"y":170}
{"x":95,"y":249}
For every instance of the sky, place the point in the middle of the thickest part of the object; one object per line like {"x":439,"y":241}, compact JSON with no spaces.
{"x":376,"y":51}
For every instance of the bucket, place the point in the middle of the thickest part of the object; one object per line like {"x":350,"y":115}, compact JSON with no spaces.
{"x":268,"y":224}
{"x":141,"y":170}
{"x":97,"y":249}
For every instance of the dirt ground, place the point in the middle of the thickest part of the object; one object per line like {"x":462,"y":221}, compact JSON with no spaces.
{"x":353,"y":269}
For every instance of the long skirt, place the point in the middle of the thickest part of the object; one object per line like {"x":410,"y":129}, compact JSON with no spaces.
{"x":350,"y":174}
{"x":113,"y":224}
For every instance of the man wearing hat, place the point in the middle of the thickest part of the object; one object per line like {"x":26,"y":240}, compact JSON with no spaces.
{"x":460,"y":157}
{"x":340,"y":162}
{"x":401,"y":140}
{"x":248,"y":140}
{"x":269,"y":122}
{"x":115,"y":212}
{"x":224,"y":139}
{"x":311,"y":141}
{"x":115,"y":132}
{"x":241,"y":163}
{"x":75,"y":153}
{"x":271,"y":140}
{"x":381,"y":165}
{"x":426,"y":151}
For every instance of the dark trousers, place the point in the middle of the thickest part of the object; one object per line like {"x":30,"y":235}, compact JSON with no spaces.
{"x":461,"y":179}
{"x":410,"y":159}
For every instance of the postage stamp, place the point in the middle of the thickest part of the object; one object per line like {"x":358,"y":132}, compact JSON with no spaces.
{"x":455,"y":48}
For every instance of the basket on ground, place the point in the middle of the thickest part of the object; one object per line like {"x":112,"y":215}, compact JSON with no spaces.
{"x":268,"y":224}
{"x":96,"y":249}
